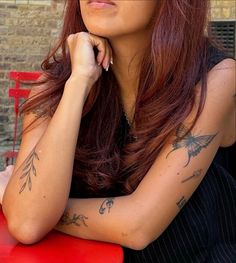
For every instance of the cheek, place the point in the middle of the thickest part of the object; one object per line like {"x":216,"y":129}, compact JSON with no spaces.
{"x":136,"y":15}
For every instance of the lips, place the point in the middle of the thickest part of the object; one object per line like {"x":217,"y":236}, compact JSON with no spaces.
{"x":101,"y":1}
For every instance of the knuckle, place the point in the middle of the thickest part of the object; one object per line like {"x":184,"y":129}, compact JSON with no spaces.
{"x":81,"y":34}
{"x":69,"y":38}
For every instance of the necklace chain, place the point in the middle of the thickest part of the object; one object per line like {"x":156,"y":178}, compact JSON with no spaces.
{"x":130,"y":124}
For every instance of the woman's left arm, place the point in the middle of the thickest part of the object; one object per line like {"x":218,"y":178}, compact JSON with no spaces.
{"x":137,"y":219}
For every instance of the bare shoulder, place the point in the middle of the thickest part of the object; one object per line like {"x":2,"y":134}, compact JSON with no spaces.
{"x":221,"y":78}
{"x":221,"y":97}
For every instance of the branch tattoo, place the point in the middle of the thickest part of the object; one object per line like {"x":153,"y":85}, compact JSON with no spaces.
{"x":76,"y":220}
{"x":194,"y":144}
{"x":29,"y":167}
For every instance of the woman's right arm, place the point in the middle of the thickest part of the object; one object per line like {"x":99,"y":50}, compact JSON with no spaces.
{"x":38,"y":190}
{"x":37,"y":193}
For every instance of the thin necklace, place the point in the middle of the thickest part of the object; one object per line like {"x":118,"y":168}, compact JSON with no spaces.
{"x":130,"y":124}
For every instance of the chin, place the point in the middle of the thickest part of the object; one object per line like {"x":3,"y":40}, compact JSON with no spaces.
{"x":101,"y":31}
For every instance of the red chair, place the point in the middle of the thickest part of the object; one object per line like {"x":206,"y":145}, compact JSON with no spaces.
{"x":55,"y":246}
{"x":18,"y":92}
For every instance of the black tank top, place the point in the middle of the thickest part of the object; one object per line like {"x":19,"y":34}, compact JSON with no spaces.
{"x":205,"y":228}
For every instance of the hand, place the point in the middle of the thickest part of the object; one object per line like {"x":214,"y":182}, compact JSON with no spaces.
{"x":4,"y":179}
{"x":83,"y":61}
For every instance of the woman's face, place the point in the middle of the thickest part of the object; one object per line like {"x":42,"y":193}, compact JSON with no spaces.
{"x":124,"y":17}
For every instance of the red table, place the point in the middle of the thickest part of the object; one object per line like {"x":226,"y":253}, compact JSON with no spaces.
{"x":56,"y":247}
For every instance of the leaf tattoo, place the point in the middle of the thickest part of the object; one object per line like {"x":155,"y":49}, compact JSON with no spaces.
{"x":194,"y":144}
{"x":106,"y":204}
{"x":29,"y":166}
{"x":75,"y":220}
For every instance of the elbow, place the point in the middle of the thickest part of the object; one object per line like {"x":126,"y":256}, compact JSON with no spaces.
{"x":139,"y":241}
{"x":25,"y":233}
{"x":138,"y":238}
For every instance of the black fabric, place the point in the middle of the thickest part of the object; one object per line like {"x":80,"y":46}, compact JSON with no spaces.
{"x":205,"y":228}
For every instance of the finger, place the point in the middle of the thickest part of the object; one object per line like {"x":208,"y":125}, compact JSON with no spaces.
{"x":106,"y":60}
{"x":111,"y":55}
{"x":100,"y":45}
{"x":69,"y":44}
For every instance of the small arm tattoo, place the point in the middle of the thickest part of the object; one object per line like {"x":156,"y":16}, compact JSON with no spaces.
{"x":196,"y":173}
{"x":181,"y":202}
{"x":106,"y":205}
{"x":41,"y":111}
{"x":28,"y":168}
{"x":76,"y":220}
{"x":194,"y":144}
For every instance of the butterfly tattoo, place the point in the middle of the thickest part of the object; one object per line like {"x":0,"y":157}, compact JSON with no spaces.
{"x":194,"y":144}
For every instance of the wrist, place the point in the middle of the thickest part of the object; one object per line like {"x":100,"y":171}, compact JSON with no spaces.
{"x":82,"y":80}
{"x":78,"y":85}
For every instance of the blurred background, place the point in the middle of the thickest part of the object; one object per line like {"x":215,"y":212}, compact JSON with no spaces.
{"x":28,"y":28}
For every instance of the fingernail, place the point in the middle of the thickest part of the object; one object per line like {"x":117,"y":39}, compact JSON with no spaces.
{"x":111,"y":61}
{"x":107,"y":68}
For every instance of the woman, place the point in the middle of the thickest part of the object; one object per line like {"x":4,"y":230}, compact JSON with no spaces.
{"x":131,"y":145}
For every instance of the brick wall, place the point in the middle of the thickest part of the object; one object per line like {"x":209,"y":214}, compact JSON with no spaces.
{"x":223,"y":9}
{"x":27,"y":29}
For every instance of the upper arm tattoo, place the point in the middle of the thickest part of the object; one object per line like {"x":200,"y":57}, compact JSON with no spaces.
{"x":27,"y":169}
{"x":181,"y":202}
{"x":106,"y":205}
{"x":193,"y":143}
{"x":195,"y":174}
{"x":40,"y":112}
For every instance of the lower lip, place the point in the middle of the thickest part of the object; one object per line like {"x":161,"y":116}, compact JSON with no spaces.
{"x":100,"y":5}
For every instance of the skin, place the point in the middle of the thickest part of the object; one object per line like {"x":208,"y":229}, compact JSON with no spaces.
{"x":178,"y":169}
{"x":127,"y":40}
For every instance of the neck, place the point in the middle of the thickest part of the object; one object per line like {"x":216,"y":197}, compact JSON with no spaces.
{"x":127,"y":54}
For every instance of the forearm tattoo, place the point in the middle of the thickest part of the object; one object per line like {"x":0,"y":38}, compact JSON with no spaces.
{"x":106,"y":206}
{"x":28,"y":170}
{"x":76,"y":220}
{"x":181,"y":202}
{"x":196,"y":173}
{"x":193,"y":143}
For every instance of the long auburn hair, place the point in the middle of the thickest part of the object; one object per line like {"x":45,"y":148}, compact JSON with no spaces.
{"x":175,"y":61}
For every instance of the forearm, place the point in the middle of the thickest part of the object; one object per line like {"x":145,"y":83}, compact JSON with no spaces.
{"x":40,"y":195}
{"x":104,"y":219}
